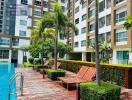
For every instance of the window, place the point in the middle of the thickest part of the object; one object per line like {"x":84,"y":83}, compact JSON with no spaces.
{"x":91,"y":1}
{"x":4,"y":41}
{"x":92,"y":26}
{"x":77,"y":21}
{"x":108,"y":36}
{"x":121,"y":35}
{"x":108,"y":20}
{"x":35,"y":23}
{"x":102,"y":6}
{"x":4,"y":54}
{"x":23,"y":22}
{"x":45,"y":4}
{"x":37,"y":3}
{"x":23,"y":12}
{"x":101,"y":37}
{"x":37,"y":13}
{"x":108,"y":3}
{"x":15,"y":41}
{"x":101,"y":22}
{"x":120,"y":16}
{"x":25,"y":2}
{"x":76,"y":44}
{"x":122,"y":57}
{"x":77,"y":9}
{"x":92,"y":42}
{"x":84,"y":17}
{"x":83,"y":43}
{"x":83,"y":30}
{"x":83,"y":4}
{"x":92,"y":11}
{"x":22,"y":33}
{"x":63,"y":1}
{"x":118,"y":1}
{"x":77,"y":33}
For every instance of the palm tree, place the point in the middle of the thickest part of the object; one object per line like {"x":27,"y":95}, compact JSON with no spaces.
{"x":97,"y":47}
{"x":128,"y":22}
{"x":61,"y":23}
{"x":39,"y":34}
{"x":104,"y":49}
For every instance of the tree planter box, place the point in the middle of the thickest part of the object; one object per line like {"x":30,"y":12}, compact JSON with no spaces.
{"x":54,"y":74}
{"x":107,"y":91}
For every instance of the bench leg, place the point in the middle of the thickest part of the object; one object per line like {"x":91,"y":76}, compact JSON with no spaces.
{"x":43,"y":74}
{"x":78,"y":91}
{"x":67,"y":87}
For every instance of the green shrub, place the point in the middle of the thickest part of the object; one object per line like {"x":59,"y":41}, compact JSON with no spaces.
{"x":38,"y":66}
{"x":31,"y":60}
{"x":51,"y":62}
{"x":54,"y":74}
{"x":37,"y":61}
{"x":26,"y":64}
{"x":107,"y":91}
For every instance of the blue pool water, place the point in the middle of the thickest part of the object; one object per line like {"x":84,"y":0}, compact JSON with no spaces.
{"x":6,"y":72}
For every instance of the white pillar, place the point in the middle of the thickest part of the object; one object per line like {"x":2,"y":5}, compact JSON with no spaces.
{"x":114,"y":59}
{"x":10,"y":53}
{"x":20,"y":57}
{"x":83,"y":56}
{"x":130,"y":57}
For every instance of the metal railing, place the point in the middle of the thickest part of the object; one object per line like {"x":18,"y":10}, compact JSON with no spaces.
{"x":21,"y":83}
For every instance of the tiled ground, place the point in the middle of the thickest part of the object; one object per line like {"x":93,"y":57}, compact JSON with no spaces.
{"x":37,"y":88}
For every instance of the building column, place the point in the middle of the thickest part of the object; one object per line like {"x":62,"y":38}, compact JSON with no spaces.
{"x":83,"y":56}
{"x":130,"y":57}
{"x":20,"y":58}
{"x":10,"y":53}
{"x":114,"y":58}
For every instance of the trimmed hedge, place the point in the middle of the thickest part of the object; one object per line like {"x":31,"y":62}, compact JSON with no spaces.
{"x":107,"y":91}
{"x":37,"y":61}
{"x":54,"y":74}
{"x":38,"y":66}
{"x":31,"y":60}
{"x":110,"y":73}
{"x":26,"y":65}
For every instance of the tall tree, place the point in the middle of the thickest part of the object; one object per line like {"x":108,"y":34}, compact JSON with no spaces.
{"x":61,"y":23}
{"x":39,"y":34}
{"x":97,"y":47}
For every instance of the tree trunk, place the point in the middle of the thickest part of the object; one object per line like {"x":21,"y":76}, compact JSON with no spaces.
{"x":56,"y":52}
{"x":68,"y":36}
{"x":98,"y":76}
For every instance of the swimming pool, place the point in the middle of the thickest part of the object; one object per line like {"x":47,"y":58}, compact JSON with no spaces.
{"x":6,"y":72}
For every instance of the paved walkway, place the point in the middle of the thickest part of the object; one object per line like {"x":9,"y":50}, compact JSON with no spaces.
{"x":37,"y":88}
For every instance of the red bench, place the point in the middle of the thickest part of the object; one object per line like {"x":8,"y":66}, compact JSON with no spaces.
{"x":85,"y":74}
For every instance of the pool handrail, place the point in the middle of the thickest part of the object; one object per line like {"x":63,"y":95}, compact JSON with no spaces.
{"x":21,"y":82}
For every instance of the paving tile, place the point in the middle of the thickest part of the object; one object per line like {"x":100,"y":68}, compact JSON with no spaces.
{"x":37,"y":88}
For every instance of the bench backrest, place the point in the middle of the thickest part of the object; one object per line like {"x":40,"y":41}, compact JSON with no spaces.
{"x":89,"y":74}
{"x":46,"y":62}
{"x":82,"y":71}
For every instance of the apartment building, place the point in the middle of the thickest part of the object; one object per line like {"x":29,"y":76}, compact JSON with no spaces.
{"x":17,"y":19}
{"x":111,"y":19}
